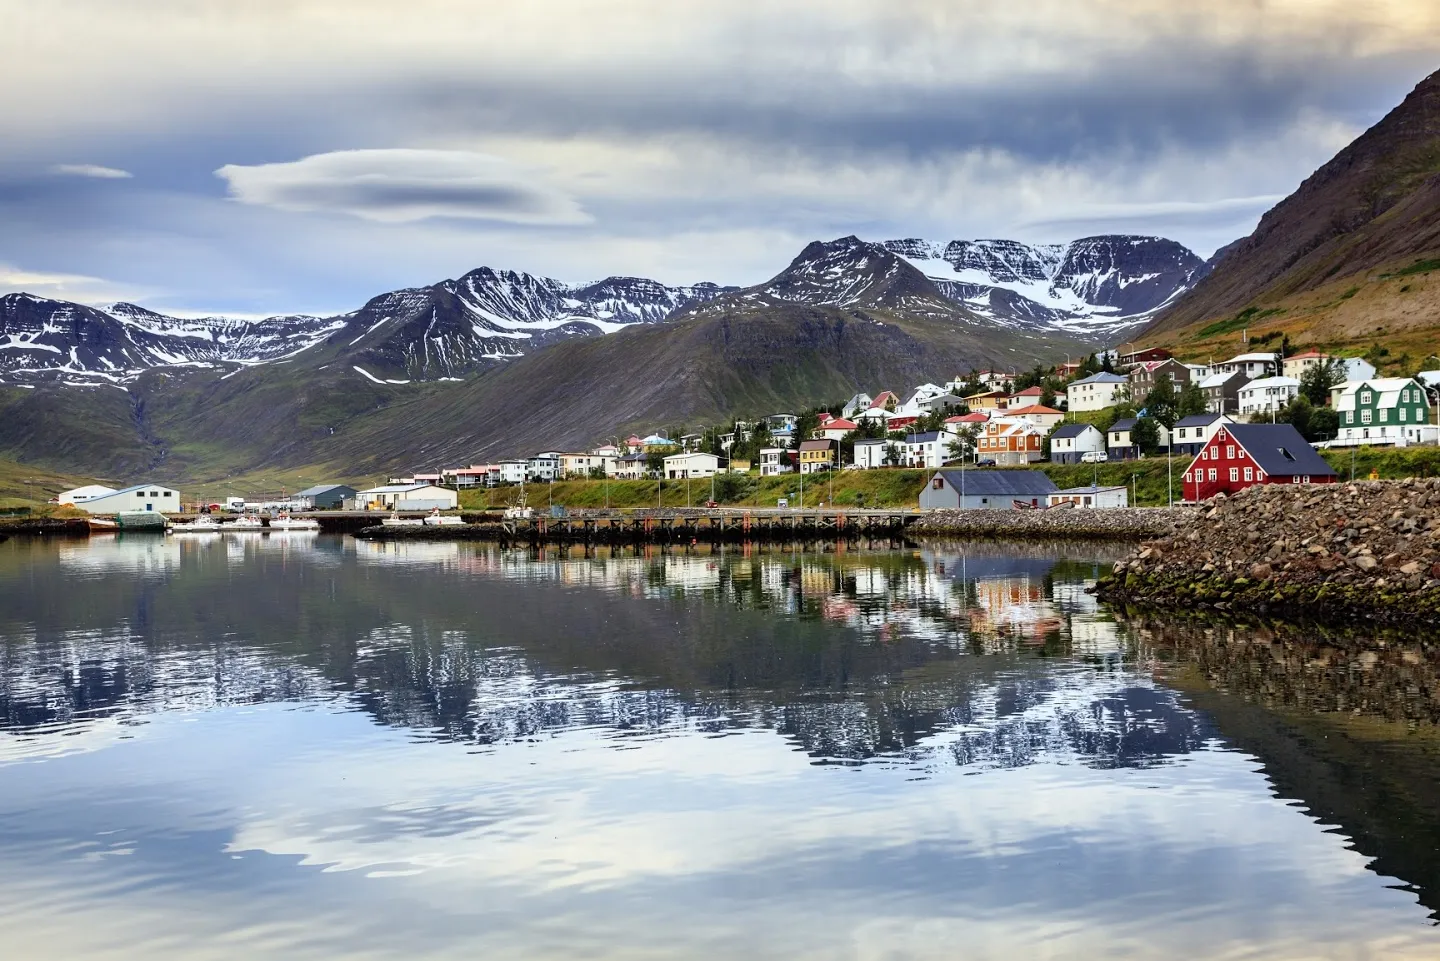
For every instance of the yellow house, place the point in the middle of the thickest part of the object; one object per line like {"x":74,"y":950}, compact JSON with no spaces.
{"x":817,"y":455}
{"x":989,"y":400}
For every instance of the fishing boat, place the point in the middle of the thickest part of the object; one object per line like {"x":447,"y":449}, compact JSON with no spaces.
{"x":102,"y":525}
{"x":437,"y":519}
{"x":248,"y":523}
{"x":284,"y":522}
{"x":204,"y":524}
{"x":395,"y":520}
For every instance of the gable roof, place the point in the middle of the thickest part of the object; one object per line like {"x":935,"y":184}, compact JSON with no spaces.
{"x":322,"y":488}
{"x":1033,"y":409}
{"x":1265,"y":383}
{"x":1388,"y":388}
{"x":1124,"y":424}
{"x":839,"y":423}
{"x":1102,"y":378}
{"x":1198,"y":420}
{"x":1002,"y":483}
{"x":1219,"y":380}
{"x":924,"y":438}
{"x":1278,"y":449}
{"x":1256,"y":358}
{"x":817,"y":445}
{"x":1073,"y":430}
{"x":974,"y":417}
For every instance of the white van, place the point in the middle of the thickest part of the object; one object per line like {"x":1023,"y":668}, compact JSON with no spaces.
{"x":235,"y":505}
{"x":1094,"y":457}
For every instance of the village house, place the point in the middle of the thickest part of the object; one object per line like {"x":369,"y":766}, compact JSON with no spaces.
{"x":993,"y":400}
{"x":635,"y":466}
{"x":1073,"y":441}
{"x":140,"y":497}
{"x":1351,"y":368}
{"x":1120,"y":439}
{"x":691,"y":464}
{"x":1093,"y":498}
{"x":886,"y":400}
{"x":1097,"y":391}
{"x":986,"y":490}
{"x":1390,"y":411}
{"x":1253,"y":365}
{"x":1024,"y":398}
{"x":1195,"y":431}
{"x":543,"y":467}
{"x":513,"y":471}
{"x":775,"y":461}
{"x":1143,"y":376}
{"x":1010,"y":443}
{"x":855,"y":405}
{"x":1267,"y":395}
{"x":656,"y":442}
{"x":818,"y":455}
{"x":578,"y":465}
{"x":973,"y":419}
{"x":992,"y":379}
{"x":1046,"y":417}
{"x":476,"y":475}
{"x":1242,"y":455}
{"x":940,"y":402}
{"x":870,"y":454}
{"x":836,"y":429}
{"x":1148,"y":355}
{"x":1222,"y":391}
{"x":925,"y":450}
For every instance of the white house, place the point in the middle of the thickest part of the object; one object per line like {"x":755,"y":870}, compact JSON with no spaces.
{"x":1095,"y":498}
{"x":82,"y":494}
{"x":1046,"y":417}
{"x":513,"y":471}
{"x":1195,"y":431}
{"x":870,"y":454}
{"x":1268,"y":394}
{"x":1353,"y":368}
{"x":775,"y":460}
{"x":1251,"y":365}
{"x":141,"y":497}
{"x":1387,"y":410}
{"x":691,"y":464}
{"x":1097,"y":391}
{"x":408,"y":497}
{"x":835,"y":429}
{"x":543,"y":467}
{"x":856,"y":404}
{"x":925,"y":450}
{"x":1073,"y":441}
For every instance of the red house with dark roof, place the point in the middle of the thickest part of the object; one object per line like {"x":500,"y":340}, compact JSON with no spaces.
{"x":1243,"y":455}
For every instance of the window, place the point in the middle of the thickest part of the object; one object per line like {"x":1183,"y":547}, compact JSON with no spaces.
{"x":1305,"y":479}
{"x":1249,"y":473}
{"x":1214,"y":475}
{"x":1365,"y":416}
{"x":1403,"y":412}
{"x":1230,"y":452}
{"x":1234,"y":474}
{"x":939,"y":484}
{"x":1187,"y":477}
{"x":1365,"y":397}
{"x":1384,"y":416}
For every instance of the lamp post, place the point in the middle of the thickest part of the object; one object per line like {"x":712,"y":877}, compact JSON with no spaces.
{"x":1170,"y":468}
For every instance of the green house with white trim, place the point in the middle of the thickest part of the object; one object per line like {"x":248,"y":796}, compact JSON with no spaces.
{"x":1388,"y":411}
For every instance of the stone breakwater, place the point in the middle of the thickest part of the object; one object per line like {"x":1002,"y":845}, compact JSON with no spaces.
{"x":1367,"y":550}
{"x":1130,"y":524}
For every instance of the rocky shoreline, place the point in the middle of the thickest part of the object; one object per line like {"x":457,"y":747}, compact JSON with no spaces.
{"x":1129,"y":524}
{"x":1368,"y":551}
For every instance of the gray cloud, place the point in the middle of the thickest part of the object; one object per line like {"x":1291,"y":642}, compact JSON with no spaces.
{"x":402,"y":185}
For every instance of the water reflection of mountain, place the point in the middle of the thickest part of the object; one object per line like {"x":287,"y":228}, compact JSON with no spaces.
{"x":874,"y":656}
{"x":1344,"y":722}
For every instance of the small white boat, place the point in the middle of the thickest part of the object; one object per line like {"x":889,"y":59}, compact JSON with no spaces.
{"x":437,"y":519}
{"x":204,"y":524}
{"x":395,"y":520}
{"x":248,"y":522}
{"x":287,"y":523}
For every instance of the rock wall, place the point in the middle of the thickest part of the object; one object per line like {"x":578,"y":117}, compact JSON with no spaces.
{"x":1368,"y":550}
{"x":1131,"y":524}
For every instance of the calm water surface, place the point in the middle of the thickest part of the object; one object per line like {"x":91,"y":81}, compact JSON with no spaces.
{"x":301,"y":747}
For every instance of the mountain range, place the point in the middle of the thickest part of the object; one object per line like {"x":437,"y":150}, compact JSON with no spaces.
{"x":1089,"y":292}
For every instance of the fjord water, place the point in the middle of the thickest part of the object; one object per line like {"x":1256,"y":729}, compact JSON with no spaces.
{"x":302,"y":747}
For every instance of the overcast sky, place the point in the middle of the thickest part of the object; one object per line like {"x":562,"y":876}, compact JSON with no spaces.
{"x":255,"y":156}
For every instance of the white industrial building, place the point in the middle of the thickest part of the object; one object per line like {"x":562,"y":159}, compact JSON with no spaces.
{"x":141,"y":497}
{"x":82,"y":494}
{"x":408,"y":497}
{"x":1095,"y":498}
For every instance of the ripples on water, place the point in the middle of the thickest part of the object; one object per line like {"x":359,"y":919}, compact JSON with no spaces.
{"x":311,"y":747}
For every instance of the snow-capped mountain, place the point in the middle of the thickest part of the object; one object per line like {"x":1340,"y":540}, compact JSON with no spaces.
{"x":51,"y":340}
{"x":1097,"y":288}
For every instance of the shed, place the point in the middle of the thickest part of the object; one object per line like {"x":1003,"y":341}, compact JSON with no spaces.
{"x":327,"y":497}
{"x":986,"y":489}
{"x":408,"y":497}
{"x":140,"y":497}
{"x":1092,"y":497}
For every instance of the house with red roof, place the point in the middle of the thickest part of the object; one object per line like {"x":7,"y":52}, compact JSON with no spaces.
{"x":835,"y":428}
{"x":1243,"y":455}
{"x":1046,"y":417}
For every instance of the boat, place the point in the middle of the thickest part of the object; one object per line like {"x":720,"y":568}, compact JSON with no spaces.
{"x":204,"y":524}
{"x":284,"y":522}
{"x":101,"y":525}
{"x":395,"y":520}
{"x":437,"y":519}
{"x":249,"y":523}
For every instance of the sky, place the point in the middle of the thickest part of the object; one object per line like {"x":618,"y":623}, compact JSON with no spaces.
{"x":251,"y":157}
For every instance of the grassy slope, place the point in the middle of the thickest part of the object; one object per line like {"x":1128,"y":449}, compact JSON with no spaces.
{"x":22,"y":485}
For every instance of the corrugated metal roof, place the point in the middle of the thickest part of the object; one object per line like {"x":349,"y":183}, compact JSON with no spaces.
{"x":1000,"y":483}
{"x":322,"y":488}
{"x":1073,"y":430}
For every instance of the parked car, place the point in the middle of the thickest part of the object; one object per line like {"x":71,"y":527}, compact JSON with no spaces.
{"x":985,"y":462}
{"x":1094,"y":457}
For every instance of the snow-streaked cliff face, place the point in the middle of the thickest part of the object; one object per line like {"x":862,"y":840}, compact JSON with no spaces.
{"x":1098,"y":287}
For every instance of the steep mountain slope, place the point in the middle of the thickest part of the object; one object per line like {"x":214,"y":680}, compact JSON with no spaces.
{"x":1336,"y":261}
{"x":1097,"y":288}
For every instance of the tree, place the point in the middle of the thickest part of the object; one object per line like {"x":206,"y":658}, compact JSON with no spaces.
{"x":1190,"y":402}
{"x":597,"y":472}
{"x":1047,"y":397}
{"x":1316,"y":381}
{"x":1106,"y":364}
{"x":1162,"y":402}
{"x":894,"y":455}
{"x":806,"y":423}
{"x":962,"y":445}
{"x":1146,"y":435}
{"x":1324,"y":424}
{"x":1297,"y":413}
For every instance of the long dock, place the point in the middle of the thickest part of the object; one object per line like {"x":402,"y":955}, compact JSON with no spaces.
{"x":665,"y":527}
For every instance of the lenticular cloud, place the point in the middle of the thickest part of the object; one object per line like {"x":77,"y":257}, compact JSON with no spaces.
{"x":404,"y":185}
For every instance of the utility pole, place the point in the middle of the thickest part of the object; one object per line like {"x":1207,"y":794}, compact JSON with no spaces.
{"x":1170,"y":468}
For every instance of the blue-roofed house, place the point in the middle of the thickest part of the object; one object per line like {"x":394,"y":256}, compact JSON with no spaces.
{"x":986,"y":490}
{"x":1070,"y":442}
